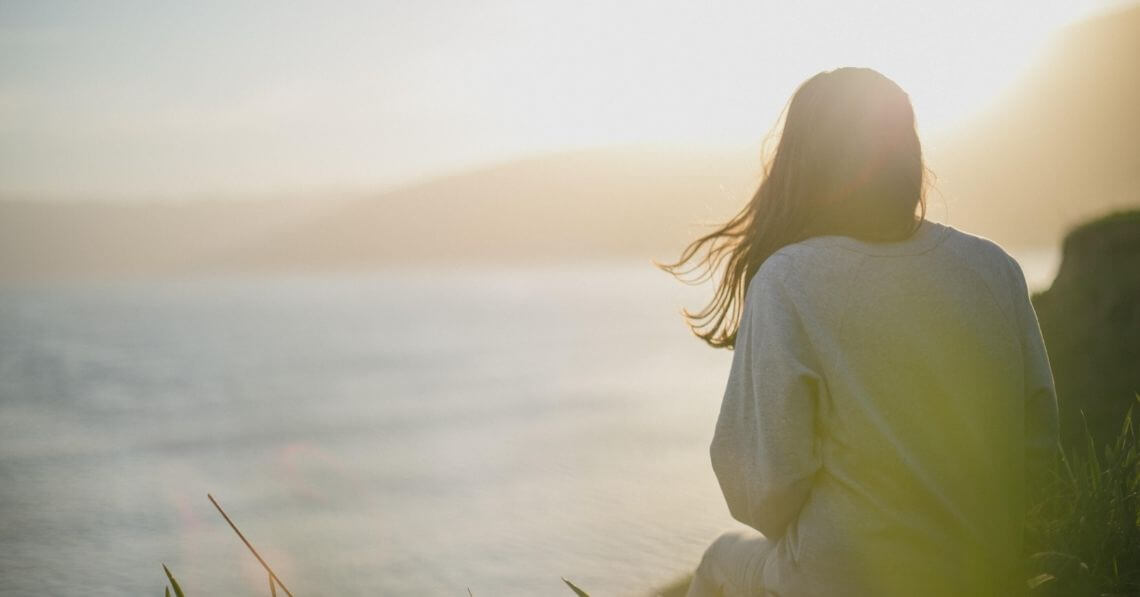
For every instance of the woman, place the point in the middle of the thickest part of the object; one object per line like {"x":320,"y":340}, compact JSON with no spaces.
{"x":890,"y":399}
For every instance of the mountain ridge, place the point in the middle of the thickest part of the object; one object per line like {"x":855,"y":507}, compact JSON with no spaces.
{"x":1062,"y":145}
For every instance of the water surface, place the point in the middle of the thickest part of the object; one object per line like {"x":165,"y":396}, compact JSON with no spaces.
{"x":404,"y":432}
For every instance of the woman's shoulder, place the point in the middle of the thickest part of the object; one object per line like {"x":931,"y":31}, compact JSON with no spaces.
{"x":784,"y":263}
{"x":984,"y":253}
{"x":989,"y":260}
{"x":830,"y":266}
{"x":808,"y":276}
{"x":806,"y":261}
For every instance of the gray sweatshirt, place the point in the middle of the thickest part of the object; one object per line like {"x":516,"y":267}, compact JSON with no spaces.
{"x":888,"y":404}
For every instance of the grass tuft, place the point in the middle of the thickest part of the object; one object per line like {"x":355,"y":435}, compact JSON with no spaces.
{"x":1083,"y":537}
{"x":173,"y":583}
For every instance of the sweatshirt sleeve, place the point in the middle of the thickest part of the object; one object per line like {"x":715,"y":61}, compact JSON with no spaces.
{"x":1041,"y":420}
{"x":764,"y":450}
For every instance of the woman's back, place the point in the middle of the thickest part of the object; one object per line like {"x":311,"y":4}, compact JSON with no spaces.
{"x":890,"y":400}
{"x":906,"y":383}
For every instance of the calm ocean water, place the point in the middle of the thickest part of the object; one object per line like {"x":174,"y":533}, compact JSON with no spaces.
{"x":404,"y":432}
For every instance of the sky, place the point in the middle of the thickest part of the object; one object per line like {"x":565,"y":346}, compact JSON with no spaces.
{"x":153,"y":100}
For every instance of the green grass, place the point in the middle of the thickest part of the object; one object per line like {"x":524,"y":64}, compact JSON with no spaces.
{"x":1083,"y":536}
{"x":173,"y":583}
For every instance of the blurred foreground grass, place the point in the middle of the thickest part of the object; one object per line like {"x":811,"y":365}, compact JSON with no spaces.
{"x":1082,"y":535}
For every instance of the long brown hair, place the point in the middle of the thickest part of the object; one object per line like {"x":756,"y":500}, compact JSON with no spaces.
{"x":848,"y":162}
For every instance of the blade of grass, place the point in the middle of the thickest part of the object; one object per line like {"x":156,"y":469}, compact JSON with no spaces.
{"x":233,"y":526}
{"x":1039,"y":580}
{"x":173,"y":583}
{"x":577,"y":591}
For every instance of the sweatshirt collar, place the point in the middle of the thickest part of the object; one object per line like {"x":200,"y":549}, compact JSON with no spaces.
{"x":928,"y":236}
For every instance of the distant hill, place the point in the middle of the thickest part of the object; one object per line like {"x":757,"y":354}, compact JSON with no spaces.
{"x":96,"y":238}
{"x":583,"y":204}
{"x":633,"y":201}
{"x":1063,"y":145}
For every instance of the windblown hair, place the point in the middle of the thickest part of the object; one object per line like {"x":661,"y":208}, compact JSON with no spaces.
{"x":848,"y":162}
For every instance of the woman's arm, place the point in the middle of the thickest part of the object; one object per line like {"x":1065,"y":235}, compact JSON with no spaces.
{"x":763,"y":451}
{"x":1041,"y":421}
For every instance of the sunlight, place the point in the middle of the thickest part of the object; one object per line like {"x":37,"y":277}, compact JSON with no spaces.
{"x":382,"y":94}
{"x":954,"y":59}
{"x":720,"y":75}
{"x":962,"y":56}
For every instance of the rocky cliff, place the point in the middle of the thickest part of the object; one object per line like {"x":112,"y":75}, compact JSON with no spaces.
{"x":1090,"y":318}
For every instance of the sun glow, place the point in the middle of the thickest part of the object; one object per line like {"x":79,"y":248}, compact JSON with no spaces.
{"x":953,"y":58}
{"x":380,"y":92}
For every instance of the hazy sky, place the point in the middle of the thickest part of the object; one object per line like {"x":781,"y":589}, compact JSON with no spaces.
{"x":153,"y":99}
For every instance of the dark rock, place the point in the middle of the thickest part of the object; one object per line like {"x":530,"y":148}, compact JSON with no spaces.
{"x":1090,"y":318}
